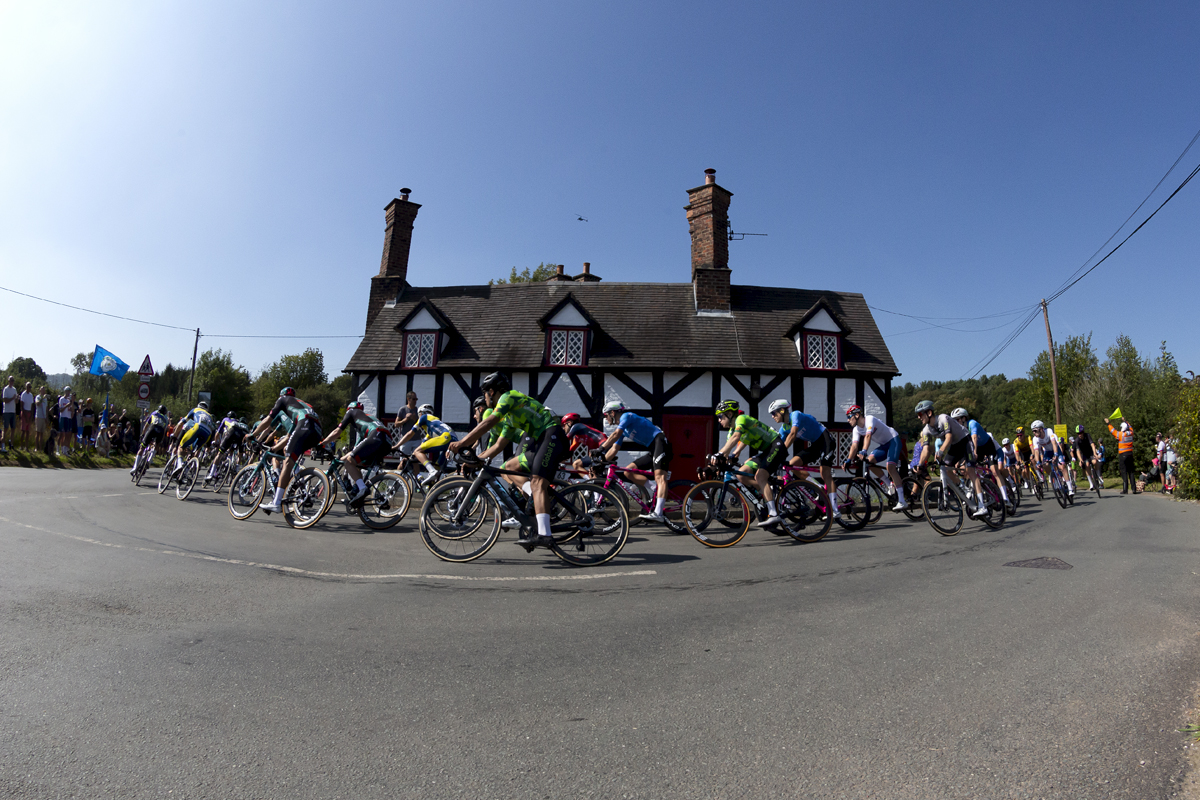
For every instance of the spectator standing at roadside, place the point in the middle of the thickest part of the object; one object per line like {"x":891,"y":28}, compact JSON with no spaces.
{"x":40,"y":416}
{"x":88,"y":417}
{"x":66,"y":422}
{"x":405,"y":418}
{"x":1124,"y":439}
{"x":9,"y":431}
{"x":26,"y":411}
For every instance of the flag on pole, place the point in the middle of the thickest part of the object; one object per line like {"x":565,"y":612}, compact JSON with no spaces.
{"x":105,"y":363}
{"x":1116,"y":414}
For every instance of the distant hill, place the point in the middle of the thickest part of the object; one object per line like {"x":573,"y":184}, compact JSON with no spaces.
{"x":58,"y":380}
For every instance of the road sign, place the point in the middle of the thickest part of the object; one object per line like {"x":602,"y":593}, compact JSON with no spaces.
{"x":144,"y":391}
{"x":143,"y":403}
{"x":1061,"y":432}
{"x":145,"y":370}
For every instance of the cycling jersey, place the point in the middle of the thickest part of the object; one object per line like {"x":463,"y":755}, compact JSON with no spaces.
{"x":1084,"y":442}
{"x":438,"y":435}
{"x":639,"y":429}
{"x":755,"y":435}
{"x":289,"y":411}
{"x":524,"y":414}
{"x":947,"y":426}
{"x":201,"y":418}
{"x":584,"y":439}
{"x":362,"y":423}
{"x":880,"y":432}
{"x":809,"y":428}
{"x":1022,"y":445}
{"x":976,"y":429}
{"x":1045,"y":442}
{"x":157,"y":420}
{"x":503,"y":430}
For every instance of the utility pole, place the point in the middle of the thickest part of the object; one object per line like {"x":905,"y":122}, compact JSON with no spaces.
{"x":196,"y":346}
{"x":1053,"y":369}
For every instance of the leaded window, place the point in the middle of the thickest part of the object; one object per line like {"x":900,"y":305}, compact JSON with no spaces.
{"x":567,"y":347}
{"x":420,"y":350}
{"x":822,"y":351}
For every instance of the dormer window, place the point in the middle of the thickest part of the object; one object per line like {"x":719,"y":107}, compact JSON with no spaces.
{"x":426,"y":333}
{"x":569,"y":332}
{"x":420,"y":349}
{"x":818,"y":337}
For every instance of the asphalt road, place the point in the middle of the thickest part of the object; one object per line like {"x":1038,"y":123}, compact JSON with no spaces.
{"x":157,"y":648}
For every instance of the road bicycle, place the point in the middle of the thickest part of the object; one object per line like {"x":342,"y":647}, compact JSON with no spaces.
{"x":223,"y":467}
{"x":303,"y":503}
{"x":387,"y":499}
{"x":853,"y":500}
{"x":717,"y":510}
{"x":182,"y":472}
{"x":1091,"y":471}
{"x":1052,"y":483}
{"x":944,"y":500}
{"x":639,"y":498}
{"x":141,"y":463}
{"x":881,"y":497}
{"x":461,"y":517}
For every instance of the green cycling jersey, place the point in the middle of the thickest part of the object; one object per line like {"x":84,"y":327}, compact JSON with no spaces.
{"x":524,"y":414}
{"x":755,"y":435}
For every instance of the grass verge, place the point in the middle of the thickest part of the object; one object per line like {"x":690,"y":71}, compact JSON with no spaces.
{"x":39,"y":460}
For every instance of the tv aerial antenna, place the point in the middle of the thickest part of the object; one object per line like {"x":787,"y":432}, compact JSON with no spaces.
{"x":737,"y":237}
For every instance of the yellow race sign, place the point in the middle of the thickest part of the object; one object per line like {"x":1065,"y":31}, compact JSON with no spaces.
{"x":1061,"y":432}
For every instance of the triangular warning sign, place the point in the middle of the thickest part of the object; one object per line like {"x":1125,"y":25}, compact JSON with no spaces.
{"x":145,"y":368}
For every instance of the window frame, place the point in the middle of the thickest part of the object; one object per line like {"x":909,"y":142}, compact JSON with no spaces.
{"x":837,"y":338}
{"x":584,"y":353}
{"x":409,"y":336}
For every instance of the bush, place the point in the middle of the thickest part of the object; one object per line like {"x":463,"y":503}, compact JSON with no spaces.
{"x":1186,"y":431}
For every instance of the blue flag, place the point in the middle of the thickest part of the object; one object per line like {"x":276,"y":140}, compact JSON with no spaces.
{"x":105,"y":363}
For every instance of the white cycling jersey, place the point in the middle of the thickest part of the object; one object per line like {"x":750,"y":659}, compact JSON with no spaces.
{"x":881,"y":433}
{"x":1045,"y":441}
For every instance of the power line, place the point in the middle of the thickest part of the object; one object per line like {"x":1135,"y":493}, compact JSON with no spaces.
{"x":92,"y":311}
{"x":271,"y":336}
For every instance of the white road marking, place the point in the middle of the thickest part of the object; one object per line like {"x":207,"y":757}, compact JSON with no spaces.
{"x":590,"y":576}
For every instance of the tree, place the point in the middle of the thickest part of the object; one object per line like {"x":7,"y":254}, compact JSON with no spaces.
{"x":302,"y":371}
{"x":1076,"y":364}
{"x":25,"y":368}
{"x":542,"y":272}
{"x":229,"y":385}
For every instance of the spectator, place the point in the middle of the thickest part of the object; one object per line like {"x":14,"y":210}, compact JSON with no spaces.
{"x":1124,"y":439}
{"x":40,"y":416}
{"x":1170,"y":478}
{"x":128,"y":442}
{"x":87,"y":417}
{"x":9,"y":430}
{"x":405,"y":417}
{"x":103,"y":441}
{"x":66,"y":422}
{"x":26,"y":411}
{"x":78,"y":416}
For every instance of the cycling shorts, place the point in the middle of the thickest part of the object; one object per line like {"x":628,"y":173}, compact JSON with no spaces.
{"x":305,"y":434}
{"x":960,"y":453}
{"x":986,"y":451}
{"x":438,"y":442}
{"x":770,"y":459}
{"x":195,"y":437}
{"x":544,"y":454}
{"x":658,"y":456}
{"x":373,"y":449}
{"x":886,"y":453}
{"x":819,"y":452}
{"x":155,"y":433}
{"x":232,"y":439}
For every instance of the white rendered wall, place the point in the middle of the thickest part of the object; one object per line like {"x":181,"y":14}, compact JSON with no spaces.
{"x":843,"y":396}
{"x":396,"y":388}
{"x":816,"y":400}
{"x":698,"y":393}
{"x":872,"y":404}
{"x":564,"y":399}
{"x":456,"y":406}
{"x":369,"y":397}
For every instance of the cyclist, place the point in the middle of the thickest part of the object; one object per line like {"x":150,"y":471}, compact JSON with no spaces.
{"x":809,"y":441}
{"x":584,"y":438}
{"x":1086,"y":453}
{"x":373,"y":445}
{"x":1046,"y":447}
{"x":644,"y":433}
{"x":985,"y":449}
{"x":766,"y":448}
{"x":437,"y":436}
{"x":873,"y":441}
{"x":1023,"y":455}
{"x":955,"y":447}
{"x":305,"y":431}
{"x":197,"y":426}
{"x":230,"y":434}
{"x":547,"y":447}
{"x":154,"y":429}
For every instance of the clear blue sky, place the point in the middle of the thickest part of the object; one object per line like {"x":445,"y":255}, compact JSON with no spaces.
{"x":194,"y":163}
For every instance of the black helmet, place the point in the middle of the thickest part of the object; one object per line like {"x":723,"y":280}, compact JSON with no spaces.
{"x":497,"y":380}
{"x":162,"y":409}
{"x":479,"y":403}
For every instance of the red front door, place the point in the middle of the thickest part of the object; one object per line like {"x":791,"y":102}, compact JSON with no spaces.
{"x":690,"y":436}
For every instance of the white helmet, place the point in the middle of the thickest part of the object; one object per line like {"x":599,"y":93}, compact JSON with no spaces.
{"x":959,"y":413}
{"x":777,"y":405}
{"x":613,"y":406}
{"x":1038,"y":425}
{"x":425,"y":409}
{"x":1004,"y":443}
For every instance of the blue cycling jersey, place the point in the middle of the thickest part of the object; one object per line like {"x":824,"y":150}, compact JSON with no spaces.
{"x":810,"y":429}
{"x":977,"y":430}
{"x":201,"y":418}
{"x":639,"y":429}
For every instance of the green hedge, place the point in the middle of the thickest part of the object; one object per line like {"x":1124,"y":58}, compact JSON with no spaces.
{"x":1186,"y":431}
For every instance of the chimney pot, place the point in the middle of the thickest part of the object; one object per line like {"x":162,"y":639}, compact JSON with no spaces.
{"x":587,"y":268}
{"x":560,"y":269}
{"x":710,"y":176}
{"x":404,"y":193}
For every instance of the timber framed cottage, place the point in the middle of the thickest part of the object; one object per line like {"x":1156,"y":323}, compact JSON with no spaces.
{"x":669,"y":351}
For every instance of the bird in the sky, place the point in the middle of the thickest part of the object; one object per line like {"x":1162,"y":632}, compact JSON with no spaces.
{"x":580,"y":218}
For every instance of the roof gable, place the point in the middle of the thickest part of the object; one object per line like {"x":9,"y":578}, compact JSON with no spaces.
{"x":822,"y":316}
{"x":567,"y":313}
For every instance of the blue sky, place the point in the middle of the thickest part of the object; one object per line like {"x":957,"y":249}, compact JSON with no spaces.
{"x":225,"y":165}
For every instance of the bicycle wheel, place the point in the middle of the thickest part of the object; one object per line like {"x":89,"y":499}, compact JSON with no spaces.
{"x":164,"y":480}
{"x":1060,"y":492}
{"x":467,"y":534}
{"x":805,"y":511}
{"x":305,"y":500}
{"x":879,"y":500}
{"x":386,"y":503}
{"x":140,"y":469}
{"x":716,"y":514}
{"x":942,"y":508}
{"x":673,"y":507}
{"x":246,"y":491}
{"x":1096,"y":479}
{"x":995,"y":505}
{"x":594,"y":527}
{"x":912,"y":495}
{"x":853,"y":504}
{"x":187,"y":478}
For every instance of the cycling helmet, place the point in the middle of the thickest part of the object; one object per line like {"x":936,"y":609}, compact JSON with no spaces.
{"x":614,"y":407}
{"x":853,"y":411}
{"x":1079,"y":429}
{"x":355,"y":407}
{"x":1020,"y":430}
{"x":287,"y":391}
{"x":1004,"y":443}
{"x":162,"y":409}
{"x":1071,"y":440}
{"x":425,"y":409}
{"x":571,"y":418}
{"x":479,"y":403}
{"x":727,"y":407}
{"x":779,"y":405}
{"x":1037,"y":425}
{"x":924,"y":405}
{"x":497,"y":380}
{"x":242,"y":420}
{"x":203,"y":404}
{"x":959,"y":413}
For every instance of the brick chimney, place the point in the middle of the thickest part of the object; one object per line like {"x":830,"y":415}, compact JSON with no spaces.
{"x":708,"y":222}
{"x":559,"y":273}
{"x":393,"y":268}
{"x":586,"y":276}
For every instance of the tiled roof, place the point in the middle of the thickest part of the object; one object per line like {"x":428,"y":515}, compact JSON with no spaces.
{"x":642,"y":326}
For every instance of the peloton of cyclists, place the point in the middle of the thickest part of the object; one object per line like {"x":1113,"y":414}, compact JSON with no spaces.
{"x":305,"y":431}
